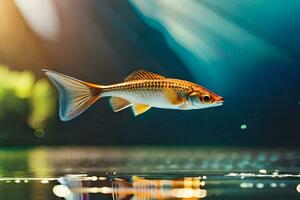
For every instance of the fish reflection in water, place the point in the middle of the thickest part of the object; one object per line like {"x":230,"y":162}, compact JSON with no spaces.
{"x":138,"y":188}
{"x":260,"y":185}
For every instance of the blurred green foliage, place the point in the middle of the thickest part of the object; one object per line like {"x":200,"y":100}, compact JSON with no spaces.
{"x":25,"y":102}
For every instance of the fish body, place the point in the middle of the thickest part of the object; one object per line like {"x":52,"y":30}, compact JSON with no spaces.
{"x":148,"y":92}
{"x":141,"y":90}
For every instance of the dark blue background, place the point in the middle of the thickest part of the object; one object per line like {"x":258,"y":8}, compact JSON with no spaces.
{"x":246,"y":51}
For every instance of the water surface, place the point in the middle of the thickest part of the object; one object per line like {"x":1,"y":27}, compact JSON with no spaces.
{"x":149,"y":173}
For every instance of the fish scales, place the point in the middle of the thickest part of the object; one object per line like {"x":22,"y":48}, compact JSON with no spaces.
{"x":149,"y":86}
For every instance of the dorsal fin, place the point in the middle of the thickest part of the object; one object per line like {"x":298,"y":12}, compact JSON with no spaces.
{"x":142,"y":74}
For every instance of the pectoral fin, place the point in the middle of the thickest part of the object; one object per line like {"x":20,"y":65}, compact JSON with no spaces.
{"x":140,"y":109}
{"x":173,"y":97}
{"x":119,"y":104}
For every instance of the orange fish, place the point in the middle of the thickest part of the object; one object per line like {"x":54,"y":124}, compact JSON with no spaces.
{"x":141,"y":90}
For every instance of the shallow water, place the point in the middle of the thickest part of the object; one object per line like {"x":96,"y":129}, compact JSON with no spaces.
{"x":149,"y":173}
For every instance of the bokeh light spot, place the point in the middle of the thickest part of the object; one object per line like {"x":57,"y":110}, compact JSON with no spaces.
{"x":262,"y":171}
{"x":17,"y":181}
{"x":61,"y":191}
{"x":44,"y":181}
{"x":298,"y":188}
{"x":94,"y":178}
{"x":282,"y":185}
{"x":243,"y":126}
{"x":260,"y":185}
{"x":39,"y":133}
{"x":273,"y":185}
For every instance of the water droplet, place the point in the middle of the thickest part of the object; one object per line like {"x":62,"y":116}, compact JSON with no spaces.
{"x":243,"y":126}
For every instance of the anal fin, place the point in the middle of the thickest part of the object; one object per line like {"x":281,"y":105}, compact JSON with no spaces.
{"x":119,"y":104}
{"x":139,"y":109}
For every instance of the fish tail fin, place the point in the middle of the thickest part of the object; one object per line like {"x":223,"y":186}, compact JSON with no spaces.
{"x":75,"y":96}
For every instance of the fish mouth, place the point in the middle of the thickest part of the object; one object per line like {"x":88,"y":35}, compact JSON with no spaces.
{"x":215,"y":104}
{"x":219,"y":103}
{"x":220,"y":100}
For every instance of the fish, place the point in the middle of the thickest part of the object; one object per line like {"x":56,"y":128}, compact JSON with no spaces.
{"x":141,"y":90}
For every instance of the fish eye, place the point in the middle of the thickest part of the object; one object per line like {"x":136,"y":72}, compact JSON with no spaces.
{"x":206,"y":98}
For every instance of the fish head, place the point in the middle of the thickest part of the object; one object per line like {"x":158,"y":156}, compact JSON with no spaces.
{"x":201,"y":98}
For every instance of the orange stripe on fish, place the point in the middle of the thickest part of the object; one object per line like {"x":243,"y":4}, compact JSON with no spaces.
{"x":141,"y":90}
